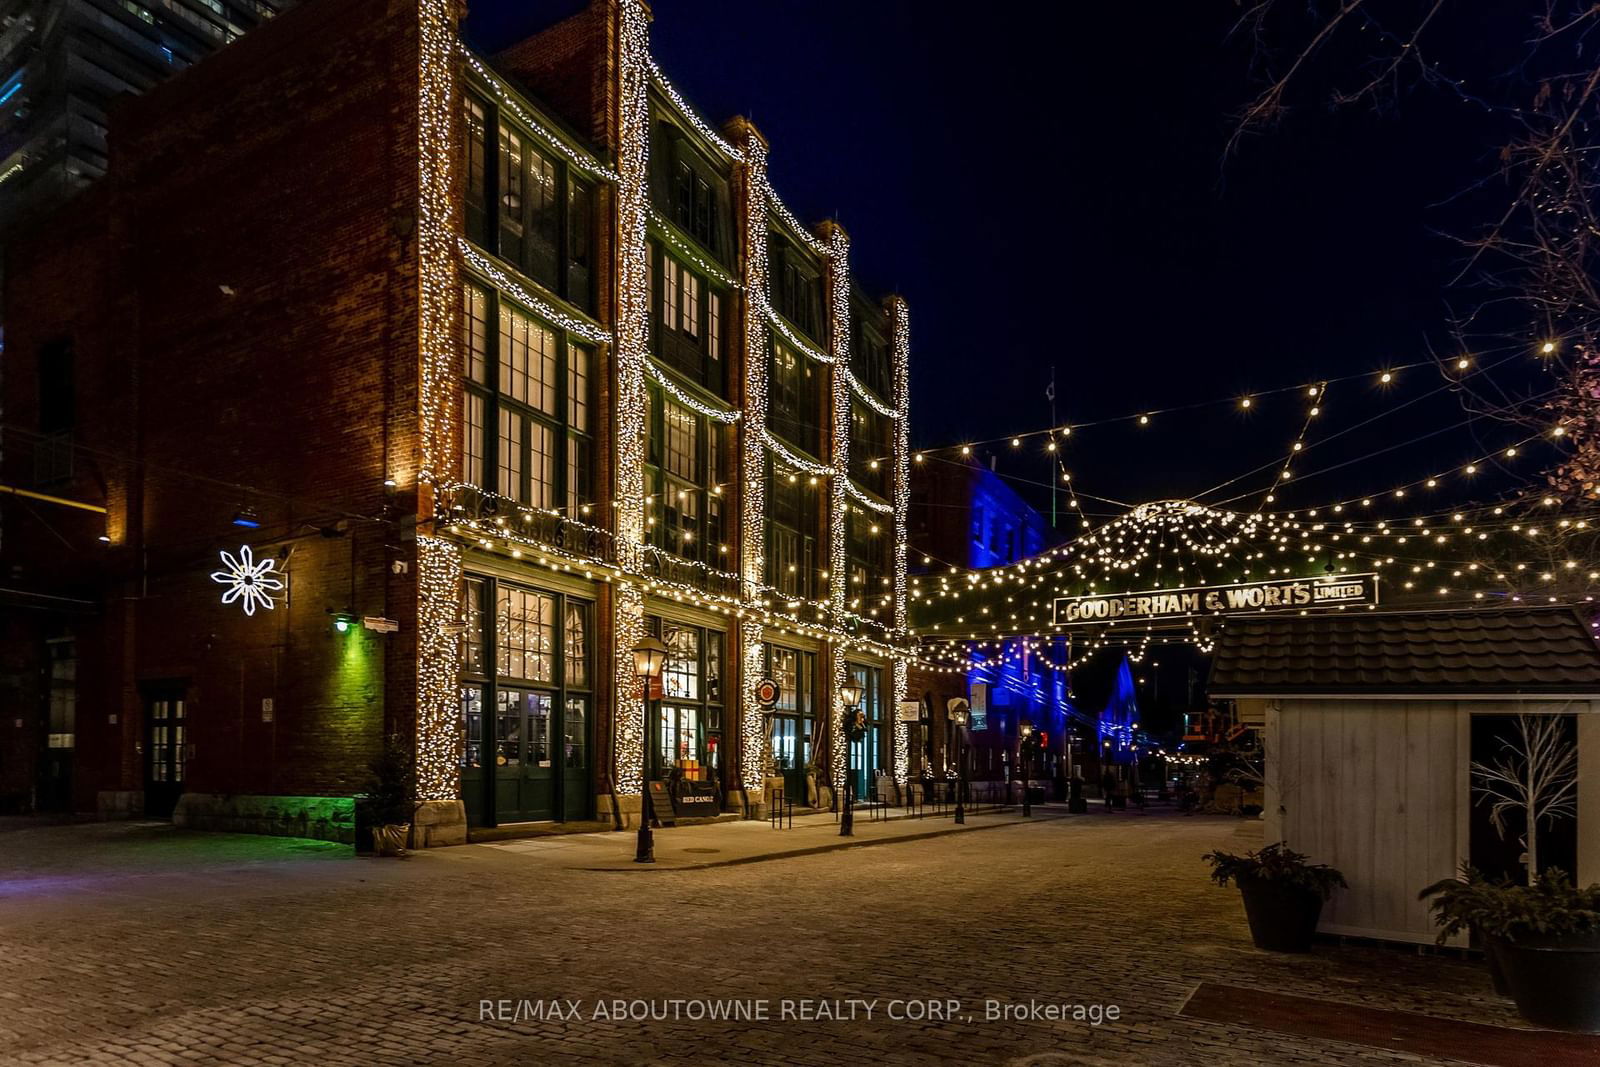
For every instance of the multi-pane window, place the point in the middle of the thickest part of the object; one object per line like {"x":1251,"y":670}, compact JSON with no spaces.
{"x":688,"y":733}
{"x":527,"y":205}
{"x":870,"y":450}
{"x":575,"y":643}
{"x":796,"y":286}
{"x":472,"y":661}
{"x":526,"y":405}
{"x":475,"y":165}
{"x":690,"y":191}
{"x":867,"y":549}
{"x":525,"y":709}
{"x":795,"y":389}
{"x":869,"y":357}
{"x":578,"y":427}
{"x":689,"y":329}
{"x":794,"y":724}
{"x":527,"y":359}
{"x":686,"y":479}
{"x":680,"y":676}
{"x":530,"y":207}
{"x":792,"y":503}
{"x":525,"y":634}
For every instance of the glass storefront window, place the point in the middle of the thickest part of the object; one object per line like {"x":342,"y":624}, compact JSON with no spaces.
{"x":525,"y":624}
{"x":688,"y":731}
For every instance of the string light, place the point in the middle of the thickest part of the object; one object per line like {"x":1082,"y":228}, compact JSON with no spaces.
{"x":632,"y":358}
{"x":438,"y":562}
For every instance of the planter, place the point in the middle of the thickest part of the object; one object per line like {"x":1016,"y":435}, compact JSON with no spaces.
{"x":1555,"y":980}
{"x":1282,"y":918}
{"x":1497,"y":973}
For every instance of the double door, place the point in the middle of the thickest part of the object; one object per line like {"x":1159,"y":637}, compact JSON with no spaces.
{"x":534,"y":765}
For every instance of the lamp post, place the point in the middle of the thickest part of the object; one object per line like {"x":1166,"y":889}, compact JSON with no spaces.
{"x":1030,"y":744}
{"x":649,"y":656}
{"x":854,"y":730}
{"x":958,"y":715}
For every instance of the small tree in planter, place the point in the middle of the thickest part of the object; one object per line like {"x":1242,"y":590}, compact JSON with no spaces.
{"x":1283,"y":894}
{"x":1544,"y":939}
{"x":390,"y":800}
{"x":1536,"y":775}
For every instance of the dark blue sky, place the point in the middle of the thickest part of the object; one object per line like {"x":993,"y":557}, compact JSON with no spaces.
{"x":1045,"y":184}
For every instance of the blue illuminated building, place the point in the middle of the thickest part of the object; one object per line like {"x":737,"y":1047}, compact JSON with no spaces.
{"x":965,"y":515}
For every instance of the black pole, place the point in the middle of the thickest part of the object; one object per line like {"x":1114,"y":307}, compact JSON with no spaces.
{"x":1027,"y":770}
{"x":645,"y":852}
{"x":961,"y":774}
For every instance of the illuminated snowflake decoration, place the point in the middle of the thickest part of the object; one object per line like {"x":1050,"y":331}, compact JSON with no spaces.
{"x":248,"y":579}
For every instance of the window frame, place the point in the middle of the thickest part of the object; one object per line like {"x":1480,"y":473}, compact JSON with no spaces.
{"x":572,"y":447}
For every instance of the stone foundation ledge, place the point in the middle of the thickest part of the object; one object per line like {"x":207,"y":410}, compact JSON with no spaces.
{"x":319,"y":818}
{"x":438,"y":823}
{"x":120,"y":804}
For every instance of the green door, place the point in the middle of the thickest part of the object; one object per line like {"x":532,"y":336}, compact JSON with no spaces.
{"x":575,"y":794}
{"x":788,"y":756}
{"x":524,"y":774}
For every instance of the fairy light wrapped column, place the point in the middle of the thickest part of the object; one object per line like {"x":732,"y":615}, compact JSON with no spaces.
{"x":900,"y":328}
{"x":438,"y":563}
{"x":632,"y":355}
{"x":837,"y":243}
{"x":751,"y":178}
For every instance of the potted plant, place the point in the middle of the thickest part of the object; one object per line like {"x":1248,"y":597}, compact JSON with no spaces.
{"x":1283,"y":894}
{"x":1544,"y":939}
{"x":386,"y":808}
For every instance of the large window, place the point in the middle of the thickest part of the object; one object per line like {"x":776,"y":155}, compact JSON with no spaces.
{"x":869,"y":358}
{"x":794,"y":725}
{"x":796,"y":285}
{"x":688,"y":731}
{"x":690,"y":192}
{"x":868,"y":589}
{"x":796,"y":387}
{"x":525,"y":702}
{"x":871,"y":456}
{"x":527,"y":205}
{"x":793,"y":502}
{"x":689,"y":326}
{"x":687,"y":475}
{"x":526,"y":405}
{"x":870,"y":756}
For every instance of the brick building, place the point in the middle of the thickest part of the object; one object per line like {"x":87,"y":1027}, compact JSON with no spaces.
{"x":964,"y":515}
{"x":64,"y":61}
{"x":475,"y":370}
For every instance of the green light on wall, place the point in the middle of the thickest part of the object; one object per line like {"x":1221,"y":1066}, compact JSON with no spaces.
{"x":343,"y":622}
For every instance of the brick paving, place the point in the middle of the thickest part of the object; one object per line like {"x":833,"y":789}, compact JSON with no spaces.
{"x":141,"y":944}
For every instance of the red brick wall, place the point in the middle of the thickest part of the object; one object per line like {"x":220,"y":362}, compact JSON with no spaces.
{"x":572,"y":68}
{"x":242,"y":293}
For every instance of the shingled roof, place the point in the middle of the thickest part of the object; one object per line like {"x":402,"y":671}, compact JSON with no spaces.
{"x":1531,"y":651}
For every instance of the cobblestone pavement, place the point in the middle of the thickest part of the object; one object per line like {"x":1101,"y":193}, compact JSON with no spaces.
{"x":141,"y":944}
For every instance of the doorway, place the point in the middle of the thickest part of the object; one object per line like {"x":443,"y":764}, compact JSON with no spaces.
{"x":165,"y":750}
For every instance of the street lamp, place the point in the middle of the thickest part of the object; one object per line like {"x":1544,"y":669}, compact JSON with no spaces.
{"x":958,"y":715}
{"x":649,"y":656}
{"x":1030,"y":744}
{"x":855,"y":730}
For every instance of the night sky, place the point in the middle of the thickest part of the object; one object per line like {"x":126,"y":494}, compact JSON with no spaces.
{"x":1049,"y":190}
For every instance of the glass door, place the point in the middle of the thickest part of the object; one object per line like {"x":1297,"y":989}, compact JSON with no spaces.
{"x":164,"y":751}
{"x":575,"y":795}
{"x":524,"y":767}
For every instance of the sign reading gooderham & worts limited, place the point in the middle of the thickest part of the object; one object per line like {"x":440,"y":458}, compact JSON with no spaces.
{"x":1288,"y":594}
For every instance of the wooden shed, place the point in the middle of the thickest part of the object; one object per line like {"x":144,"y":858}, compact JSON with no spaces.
{"x":1370,"y":723}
